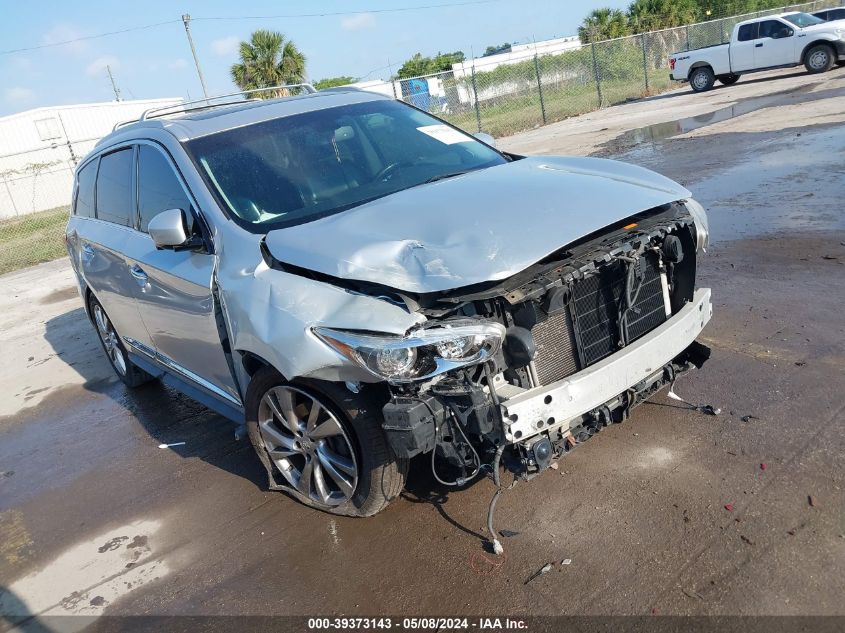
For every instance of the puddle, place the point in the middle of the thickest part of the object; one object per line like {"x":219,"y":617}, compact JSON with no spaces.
{"x":796,"y":186}
{"x":668,"y":129}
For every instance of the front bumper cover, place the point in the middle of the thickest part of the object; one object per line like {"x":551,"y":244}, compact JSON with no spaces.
{"x":557,"y":405}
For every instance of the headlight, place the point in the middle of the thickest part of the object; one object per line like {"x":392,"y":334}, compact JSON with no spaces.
{"x":702,"y":228}
{"x":420,"y":355}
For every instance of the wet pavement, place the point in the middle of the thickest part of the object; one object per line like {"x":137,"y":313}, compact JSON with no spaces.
{"x":671,"y":512}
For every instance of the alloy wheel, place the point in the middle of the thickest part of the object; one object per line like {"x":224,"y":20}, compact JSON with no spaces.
{"x":308,"y":445}
{"x":110,"y":341}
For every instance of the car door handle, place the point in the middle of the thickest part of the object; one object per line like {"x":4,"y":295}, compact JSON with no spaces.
{"x":802,"y":35}
{"x":138,"y":273}
{"x":760,"y":45}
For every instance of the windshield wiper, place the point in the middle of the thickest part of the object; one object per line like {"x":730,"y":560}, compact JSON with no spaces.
{"x":449,"y":175}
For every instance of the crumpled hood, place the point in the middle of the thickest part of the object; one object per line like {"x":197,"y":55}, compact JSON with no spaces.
{"x":486,"y":225}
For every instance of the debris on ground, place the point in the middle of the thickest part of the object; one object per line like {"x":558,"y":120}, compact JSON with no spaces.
{"x":745,"y":539}
{"x":812,"y":501}
{"x":545,"y":569}
{"x":748,"y":418}
{"x":508,"y":533}
{"x":692,"y":594}
{"x":800,"y":363}
{"x":729,"y":507}
{"x":791,"y":532}
{"x":655,"y":611}
{"x":484,"y":565}
{"x":171,"y":445}
{"x":566,"y":561}
{"x":706,"y":409}
{"x":554,"y":466}
{"x":762,"y":467}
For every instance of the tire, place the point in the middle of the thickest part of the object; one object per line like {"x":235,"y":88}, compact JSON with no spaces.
{"x":728,"y":80}
{"x":702,"y":79}
{"x":129,"y":373}
{"x":840,"y":62}
{"x":819,"y":59}
{"x":358,"y":441}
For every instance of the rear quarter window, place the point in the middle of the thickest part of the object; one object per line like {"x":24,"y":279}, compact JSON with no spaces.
{"x":84,"y":206}
{"x":114,"y":188}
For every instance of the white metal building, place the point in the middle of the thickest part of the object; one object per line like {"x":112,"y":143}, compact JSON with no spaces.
{"x":39,"y":150}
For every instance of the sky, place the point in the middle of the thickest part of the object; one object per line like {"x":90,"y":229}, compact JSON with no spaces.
{"x":368,"y":39}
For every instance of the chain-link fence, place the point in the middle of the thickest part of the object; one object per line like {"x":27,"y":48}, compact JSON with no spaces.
{"x":35,"y":193}
{"x":503,"y":98}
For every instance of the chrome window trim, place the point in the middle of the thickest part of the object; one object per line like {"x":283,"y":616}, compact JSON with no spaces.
{"x":170,"y":365}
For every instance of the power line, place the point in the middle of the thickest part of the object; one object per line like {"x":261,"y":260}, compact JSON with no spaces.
{"x":339,"y":13}
{"x":88,"y":37}
{"x":248,"y":17}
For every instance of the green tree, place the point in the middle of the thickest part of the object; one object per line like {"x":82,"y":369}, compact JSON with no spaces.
{"x":267,"y":60}
{"x":652,"y":15}
{"x":332,"y":82}
{"x":603,"y":24}
{"x":420,"y":65}
{"x":495,"y":50}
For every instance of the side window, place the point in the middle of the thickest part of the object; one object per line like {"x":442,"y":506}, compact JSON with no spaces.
{"x":774,"y":29}
{"x":822,"y":15}
{"x":836,"y":14}
{"x":85,"y":190}
{"x":748,"y":32}
{"x":114,"y":188}
{"x":159,"y":188}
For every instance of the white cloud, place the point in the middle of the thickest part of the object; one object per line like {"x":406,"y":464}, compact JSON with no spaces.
{"x":64,"y":33}
{"x":358,"y":22}
{"x":18,"y":94}
{"x":177,"y":64}
{"x":226,"y":46}
{"x":98,"y":66}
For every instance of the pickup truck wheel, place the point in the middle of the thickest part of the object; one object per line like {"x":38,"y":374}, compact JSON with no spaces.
{"x":702,"y":79}
{"x":129,"y":373}
{"x":728,"y":80}
{"x":329,"y":453}
{"x":819,"y":59}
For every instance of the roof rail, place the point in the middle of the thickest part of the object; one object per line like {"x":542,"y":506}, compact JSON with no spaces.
{"x":206,"y":103}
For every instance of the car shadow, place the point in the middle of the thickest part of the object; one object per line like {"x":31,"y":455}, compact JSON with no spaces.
{"x":188,"y":428}
{"x":421,"y":487}
{"x":17,"y":616}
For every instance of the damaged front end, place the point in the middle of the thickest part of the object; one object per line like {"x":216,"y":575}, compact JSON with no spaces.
{"x":525,"y":369}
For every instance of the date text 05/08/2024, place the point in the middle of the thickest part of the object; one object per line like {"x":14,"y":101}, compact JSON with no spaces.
{"x":419,"y":623}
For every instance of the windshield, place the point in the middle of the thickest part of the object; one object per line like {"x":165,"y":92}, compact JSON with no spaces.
{"x":298,"y":168}
{"x":802,"y":19}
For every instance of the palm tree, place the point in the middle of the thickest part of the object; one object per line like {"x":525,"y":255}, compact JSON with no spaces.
{"x":268,"y":59}
{"x":603,"y":24}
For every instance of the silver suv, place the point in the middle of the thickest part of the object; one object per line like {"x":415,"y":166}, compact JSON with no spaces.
{"x":359,"y":282}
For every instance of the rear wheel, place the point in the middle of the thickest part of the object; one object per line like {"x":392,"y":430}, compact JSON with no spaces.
{"x":130,"y":374}
{"x":327,"y":451}
{"x":819,"y":59}
{"x":728,"y":80}
{"x":702,"y":78}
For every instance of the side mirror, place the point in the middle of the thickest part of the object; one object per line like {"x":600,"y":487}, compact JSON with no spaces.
{"x":169,"y":230}
{"x":485,"y":138}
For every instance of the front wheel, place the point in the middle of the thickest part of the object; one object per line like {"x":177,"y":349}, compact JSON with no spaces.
{"x":329,"y":453}
{"x":819,"y":59}
{"x":702,"y":79}
{"x":728,"y":80}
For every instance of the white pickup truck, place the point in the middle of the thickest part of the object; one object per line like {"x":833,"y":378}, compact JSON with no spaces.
{"x":775,"y":41}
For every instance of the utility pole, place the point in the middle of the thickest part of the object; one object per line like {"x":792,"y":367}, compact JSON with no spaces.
{"x":113,"y":85}
{"x":186,"y":19}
